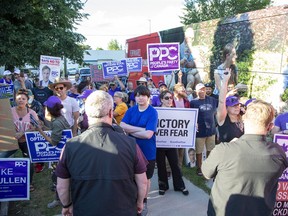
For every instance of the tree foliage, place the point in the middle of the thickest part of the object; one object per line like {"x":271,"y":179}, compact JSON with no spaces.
{"x":202,"y":10}
{"x":30,"y":28}
{"x":114,"y":45}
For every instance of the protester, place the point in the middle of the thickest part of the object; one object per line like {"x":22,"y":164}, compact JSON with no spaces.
{"x":156,"y":102}
{"x":83,"y":119}
{"x":7,"y":78}
{"x":281,"y":124}
{"x":121,"y":107}
{"x":20,"y":81}
{"x":206,"y":123}
{"x":104,"y":169}
{"x":41,"y":93}
{"x":140,"y":122}
{"x":142,"y":81}
{"x":73,"y":91}
{"x":71,"y":107}
{"x":171,"y":154}
{"x":180,"y":101}
{"x":246,"y":170}
{"x":77,"y":79}
{"x":209,"y":90}
{"x":113,"y":86}
{"x":230,"y":124}
{"x":189,"y":93}
{"x":130,"y":92}
{"x":58,"y":124}
{"x":22,"y":121}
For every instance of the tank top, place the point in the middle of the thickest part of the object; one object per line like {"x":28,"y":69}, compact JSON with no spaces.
{"x":230,"y":130}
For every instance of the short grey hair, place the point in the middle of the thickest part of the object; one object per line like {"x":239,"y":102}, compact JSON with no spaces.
{"x":98,"y":104}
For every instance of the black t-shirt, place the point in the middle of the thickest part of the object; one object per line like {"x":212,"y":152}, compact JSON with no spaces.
{"x":41,"y":94}
{"x":206,"y":121}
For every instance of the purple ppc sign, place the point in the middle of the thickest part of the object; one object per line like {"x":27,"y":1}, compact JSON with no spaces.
{"x":110,"y":69}
{"x":163,"y":57}
{"x":14,"y":179}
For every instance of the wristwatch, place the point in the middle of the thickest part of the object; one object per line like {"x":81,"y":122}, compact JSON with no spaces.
{"x":67,"y":206}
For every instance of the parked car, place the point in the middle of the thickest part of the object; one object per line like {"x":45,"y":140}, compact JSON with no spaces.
{"x":84,"y":72}
{"x":72,"y":71}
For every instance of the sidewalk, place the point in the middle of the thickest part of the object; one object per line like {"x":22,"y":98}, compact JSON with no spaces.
{"x":175,"y":203}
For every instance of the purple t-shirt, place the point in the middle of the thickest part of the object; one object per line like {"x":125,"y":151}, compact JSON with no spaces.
{"x":282,"y":121}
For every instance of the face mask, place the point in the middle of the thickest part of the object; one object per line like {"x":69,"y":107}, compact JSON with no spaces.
{"x":30,"y":100}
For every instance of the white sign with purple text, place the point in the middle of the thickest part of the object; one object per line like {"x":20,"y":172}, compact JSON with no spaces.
{"x":163,"y":57}
{"x":176,"y":127}
{"x":14,"y":179}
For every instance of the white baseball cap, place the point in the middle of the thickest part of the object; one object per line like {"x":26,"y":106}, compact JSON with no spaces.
{"x":17,"y":71}
{"x":199,"y":86}
{"x":7,"y":72}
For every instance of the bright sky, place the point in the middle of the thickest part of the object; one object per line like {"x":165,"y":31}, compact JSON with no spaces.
{"x":124,"y":19}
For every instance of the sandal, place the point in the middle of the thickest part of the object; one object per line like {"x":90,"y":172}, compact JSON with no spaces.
{"x":32,"y":188}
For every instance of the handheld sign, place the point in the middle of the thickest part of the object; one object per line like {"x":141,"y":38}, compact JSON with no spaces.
{"x":110,"y":69}
{"x":49,"y":66}
{"x":42,"y":151}
{"x":163,"y":57}
{"x":134,"y":64}
{"x":14,"y":179}
{"x":176,"y":127}
{"x":281,"y":205}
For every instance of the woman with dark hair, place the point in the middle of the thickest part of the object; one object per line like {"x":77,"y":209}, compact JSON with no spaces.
{"x":58,"y":124}
{"x":171,"y":154}
{"x":22,"y":121}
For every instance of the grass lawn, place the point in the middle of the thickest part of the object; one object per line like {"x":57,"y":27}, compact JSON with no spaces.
{"x":37,"y":205}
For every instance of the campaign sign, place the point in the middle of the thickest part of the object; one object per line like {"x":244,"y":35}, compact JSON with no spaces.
{"x":97,"y":73}
{"x":50,"y":67}
{"x":6,"y":91}
{"x":176,"y":127}
{"x":163,"y":57}
{"x":112,"y":68}
{"x":42,"y":151}
{"x":281,"y":205}
{"x":134,"y":64}
{"x":14,"y":179}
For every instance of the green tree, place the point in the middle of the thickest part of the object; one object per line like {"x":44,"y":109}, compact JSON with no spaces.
{"x":202,"y":10}
{"x":114,"y":45}
{"x":30,"y":28}
{"x":99,"y":48}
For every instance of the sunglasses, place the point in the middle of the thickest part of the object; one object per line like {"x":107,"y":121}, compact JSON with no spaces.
{"x":167,"y":98}
{"x":23,"y":91}
{"x":57,"y":88}
{"x":142,"y":83}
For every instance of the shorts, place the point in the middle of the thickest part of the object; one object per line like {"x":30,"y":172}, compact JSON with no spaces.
{"x":209,"y":142}
{"x":150,"y":169}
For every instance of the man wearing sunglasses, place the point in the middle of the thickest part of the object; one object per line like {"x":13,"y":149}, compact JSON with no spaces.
{"x":71,"y":107}
{"x":113,"y":86}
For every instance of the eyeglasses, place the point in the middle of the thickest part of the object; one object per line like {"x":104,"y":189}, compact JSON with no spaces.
{"x":167,"y":98}
{"x":57,"y":88}
{"x":142,"y":83}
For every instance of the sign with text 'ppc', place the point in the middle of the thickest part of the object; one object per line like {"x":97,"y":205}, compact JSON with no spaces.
{"x":41,"y":150}
{"x":14,"y":179}
{"x":112,"y":68}
{"x":163,"y":57}
{"x":134,"y":64}
{"x":176,"y":127}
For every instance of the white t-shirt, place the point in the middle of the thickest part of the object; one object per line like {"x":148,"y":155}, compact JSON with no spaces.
{"x":70,"y":106}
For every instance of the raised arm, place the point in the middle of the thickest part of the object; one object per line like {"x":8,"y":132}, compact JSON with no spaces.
{"x":221,"y":110}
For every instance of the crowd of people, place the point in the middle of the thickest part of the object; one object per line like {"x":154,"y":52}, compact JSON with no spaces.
{"x":102,"y":158}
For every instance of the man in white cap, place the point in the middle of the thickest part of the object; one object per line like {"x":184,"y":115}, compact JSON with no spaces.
{"x":21,"y":82}
{"x":207,"y":107}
